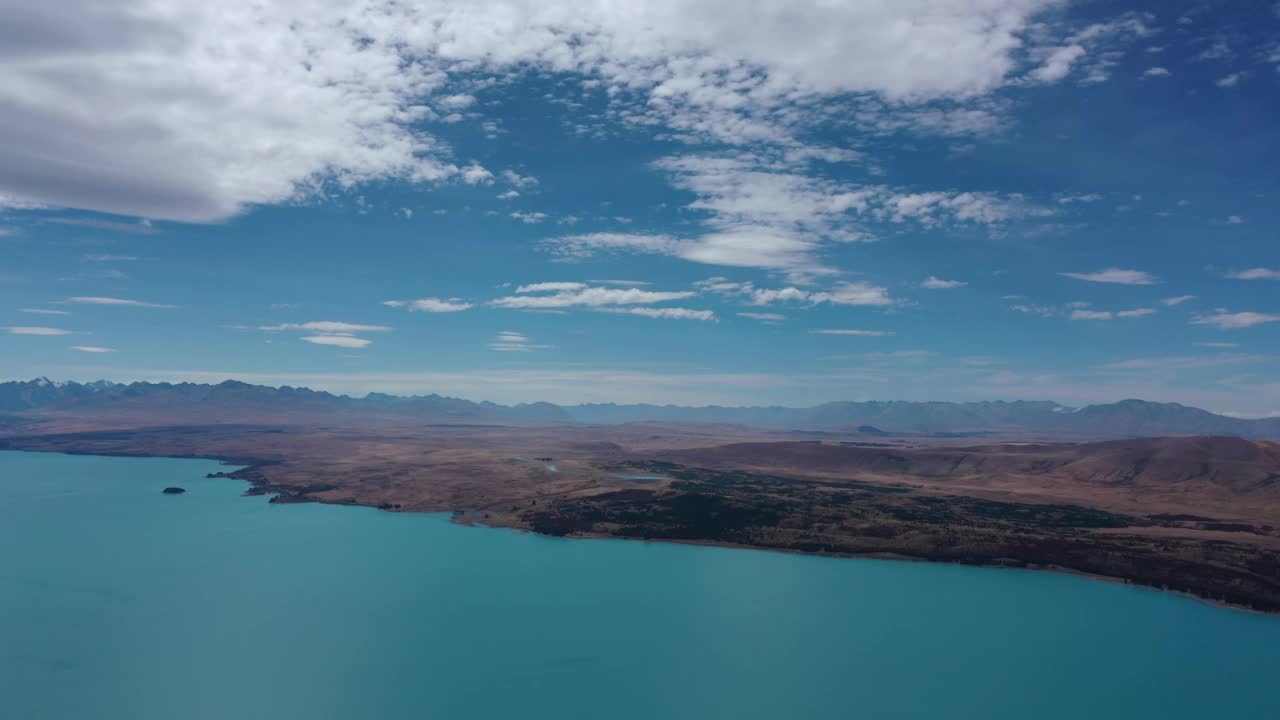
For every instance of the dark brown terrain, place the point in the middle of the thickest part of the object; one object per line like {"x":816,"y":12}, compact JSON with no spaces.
{"x":1198,"y":514}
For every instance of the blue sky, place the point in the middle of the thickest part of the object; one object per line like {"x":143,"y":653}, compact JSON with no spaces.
{"x":690,"y":202}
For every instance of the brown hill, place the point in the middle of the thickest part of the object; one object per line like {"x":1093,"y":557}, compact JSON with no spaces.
{"x":1171,"y":472}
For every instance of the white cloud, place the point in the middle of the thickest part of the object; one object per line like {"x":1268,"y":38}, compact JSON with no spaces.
{"x":762,"y":296}
{"x":843,"y":293}
{"x":92,"y":349}
{"x":857,"y":333}
{"x":854,"y":293}
{"x":1219,"y":50}
{"x":1235,"y":220}
{"x":623,"y":283}
{"x":511,"y":341}
{"x":431,"y":305}
{"x":363,"y":81}
{"x":1087,"y":198}
{"x":1257,"y":273}
{"x":1115,"y":275}
{"x":1156,"y":72}
{"x":1139,"y":312}
{"x":550,"y":287}
{"x":460,"y":101}
{"x":110,"y":258}
{"x":586,"y":245}
{"x":933,"y":283}
{"x":1108,"y":315}
{"x":25,"y":330}
{"x":1218,"y":344}
{"x":1171,"y":301}
{"x":665,"y":313}
{"x":344,"y":341}
{"x":327,"y":327}
{"x":44,"y":311}
{"x":1041,"y":310}
{"x":357,"y":81}
{"x":508,"y":195}
{"x":520,"y":181}
{"x":757,"y":211}
{"x":1235,"y":321}
{"x":530,"y":218}
{"x":115,"y":301}
{"x":588,"y":297}
{"x":763,"y":317}
{"x":1228,"y":81}
{"x":1092,"y":51}
{"x":755,"y":247}
{"x":1057,"y":64}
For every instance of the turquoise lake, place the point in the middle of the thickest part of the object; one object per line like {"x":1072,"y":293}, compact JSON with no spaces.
{"x":118,"y":602}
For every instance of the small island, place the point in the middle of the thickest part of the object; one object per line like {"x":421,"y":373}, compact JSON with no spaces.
{"x":174,"y":490}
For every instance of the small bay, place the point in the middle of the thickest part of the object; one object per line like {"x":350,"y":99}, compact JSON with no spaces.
{"x":120,"y":602}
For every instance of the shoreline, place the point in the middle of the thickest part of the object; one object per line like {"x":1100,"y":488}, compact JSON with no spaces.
{"x":882,"y":556}
{"x":259,"y":485}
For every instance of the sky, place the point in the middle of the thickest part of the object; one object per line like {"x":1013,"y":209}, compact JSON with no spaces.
{"x":699,"y":202}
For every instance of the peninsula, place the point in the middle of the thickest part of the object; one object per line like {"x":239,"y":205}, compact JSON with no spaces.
{"x":1191,"y":513}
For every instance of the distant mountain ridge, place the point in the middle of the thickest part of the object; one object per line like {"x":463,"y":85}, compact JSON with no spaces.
{"x":1127,"y":418}
{"x":238,"y":401}
{"x":234,"y":400}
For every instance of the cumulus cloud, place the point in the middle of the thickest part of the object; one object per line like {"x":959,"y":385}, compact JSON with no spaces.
{"x":1115,"y":275}
{"x":360,"y":80}
{"x":1257,"y":273}
{"x":763,"y":317}
{"x":1235,"y":320}
{"x":431,"y":305}
{"x":759,"y":212}
{"x":27,"y":330}
{"x":518,"y":180}
{"x":1171,"y":301}
{"x":116,"y":301}
{"x":92,"y":349}
{"x":1156,"y":72}
{"x":934,"y":283}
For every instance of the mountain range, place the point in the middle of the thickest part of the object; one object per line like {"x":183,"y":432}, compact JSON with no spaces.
{"x":237,"y":401}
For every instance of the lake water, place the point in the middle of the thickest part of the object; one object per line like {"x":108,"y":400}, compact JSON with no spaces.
{"x":118,"y":602}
